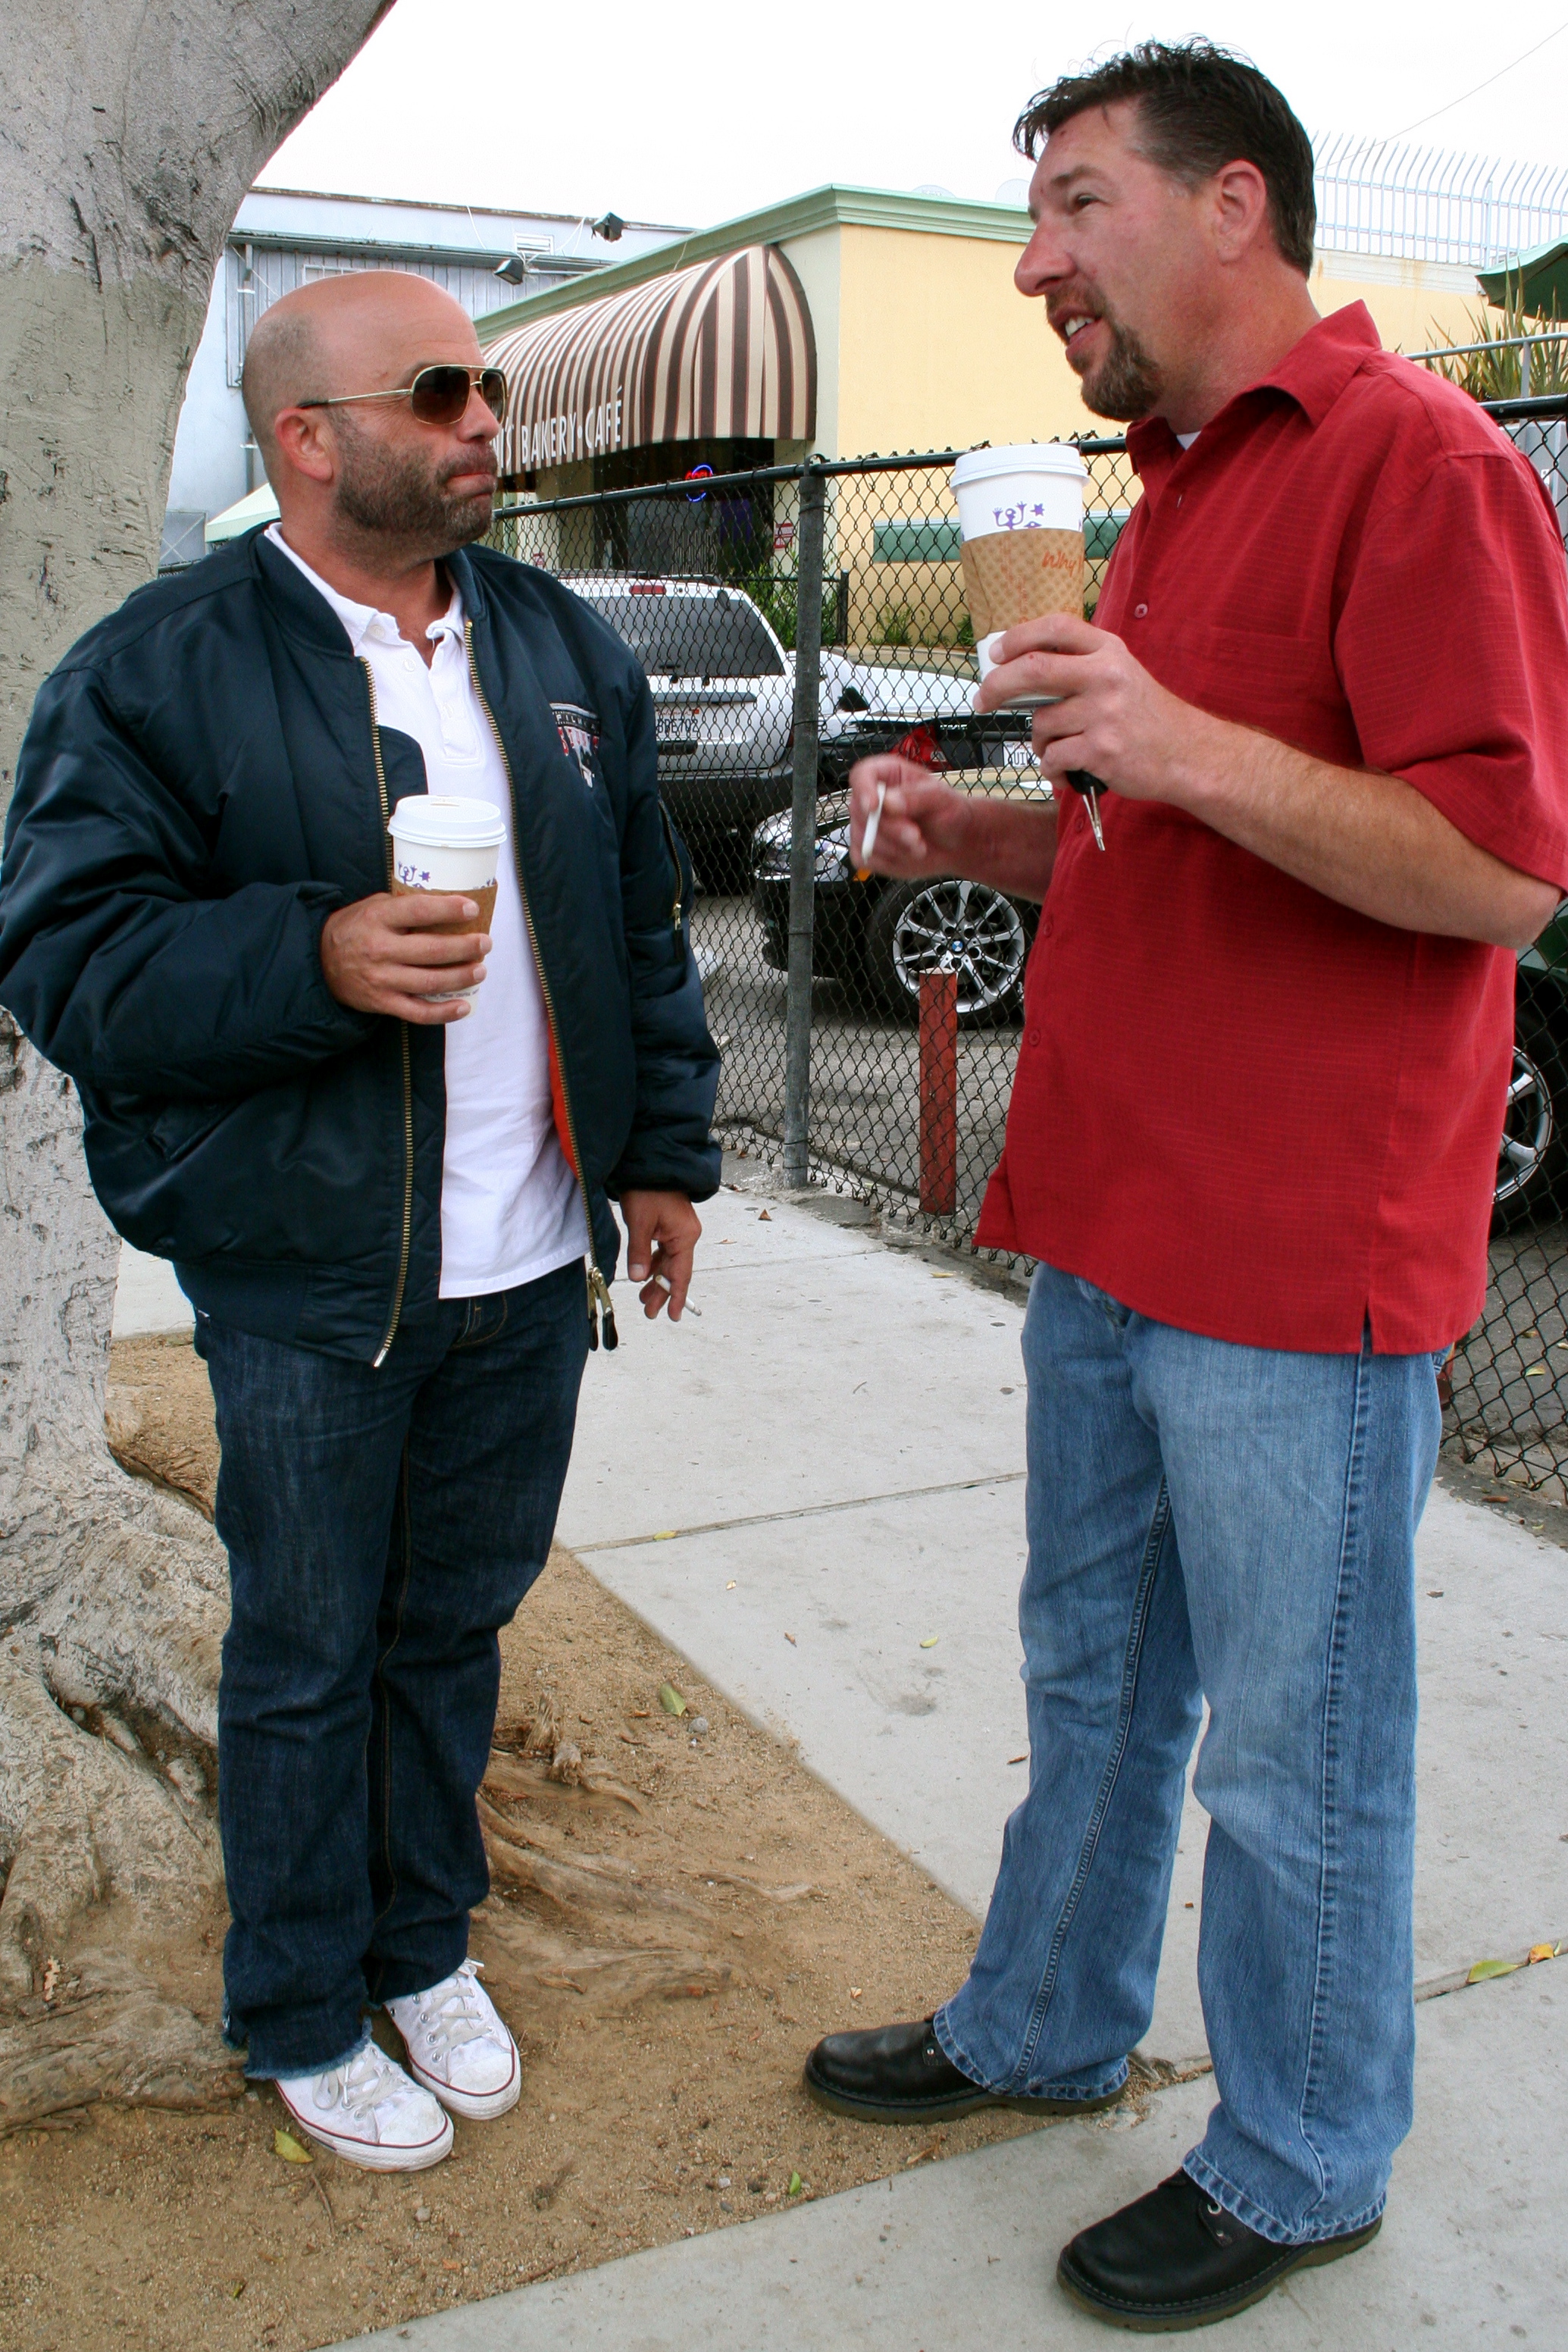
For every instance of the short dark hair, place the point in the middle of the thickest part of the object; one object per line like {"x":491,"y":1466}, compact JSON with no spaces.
{"x":1199,"y":107}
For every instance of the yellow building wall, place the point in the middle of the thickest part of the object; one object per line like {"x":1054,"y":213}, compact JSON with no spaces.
{"x":937,"y":349}
{"x":1414,"y":303}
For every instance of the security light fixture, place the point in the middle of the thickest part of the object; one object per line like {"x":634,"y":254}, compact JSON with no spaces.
{"x":610,"y":229}
{"x":514,"y":269}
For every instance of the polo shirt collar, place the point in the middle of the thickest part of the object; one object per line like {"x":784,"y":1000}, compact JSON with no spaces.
{"x":1314,"y":372}
{"x":363,"y":623}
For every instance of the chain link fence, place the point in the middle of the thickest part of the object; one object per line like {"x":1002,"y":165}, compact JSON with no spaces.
{"x":793,"y":619}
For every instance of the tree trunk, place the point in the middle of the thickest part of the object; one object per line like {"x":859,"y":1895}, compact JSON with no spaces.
{"x":131,"y":134}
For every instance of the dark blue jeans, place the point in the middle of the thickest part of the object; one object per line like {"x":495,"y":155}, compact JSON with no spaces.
{"x":382,"y":1527}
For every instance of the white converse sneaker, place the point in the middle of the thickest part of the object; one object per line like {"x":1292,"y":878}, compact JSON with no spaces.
{"x":458,"y":2047}
{"x":369,"y":2113}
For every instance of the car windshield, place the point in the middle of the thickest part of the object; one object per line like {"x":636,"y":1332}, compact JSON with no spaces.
{"x":693,"y":636}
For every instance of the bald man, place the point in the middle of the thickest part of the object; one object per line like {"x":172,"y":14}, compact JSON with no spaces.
{"x":387,"y":1202}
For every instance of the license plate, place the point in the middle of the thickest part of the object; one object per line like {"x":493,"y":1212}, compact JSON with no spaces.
{"x":673,"y":723}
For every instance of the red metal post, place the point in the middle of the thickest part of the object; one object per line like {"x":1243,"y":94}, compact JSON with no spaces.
{"x":939,"y":1093}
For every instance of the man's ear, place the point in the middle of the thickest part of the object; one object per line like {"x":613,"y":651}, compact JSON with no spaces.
{"x":303,"y":438}
{"x":1240,"y":209}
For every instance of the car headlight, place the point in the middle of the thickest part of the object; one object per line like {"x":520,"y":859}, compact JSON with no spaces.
{"x":771,"y":859}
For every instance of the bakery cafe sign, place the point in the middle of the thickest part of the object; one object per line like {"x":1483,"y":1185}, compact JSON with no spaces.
{"x":573,"y":434}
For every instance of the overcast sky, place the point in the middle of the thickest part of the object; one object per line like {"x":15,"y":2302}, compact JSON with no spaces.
{"x":693,"y":110}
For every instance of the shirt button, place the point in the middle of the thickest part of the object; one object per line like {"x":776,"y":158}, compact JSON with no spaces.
{"x":1033,"y":1038}
{"x":1047,"y":927}
{"x":1140,"y":612}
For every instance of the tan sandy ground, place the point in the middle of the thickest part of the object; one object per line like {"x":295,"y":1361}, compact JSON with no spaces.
{"x":675,"y":1920}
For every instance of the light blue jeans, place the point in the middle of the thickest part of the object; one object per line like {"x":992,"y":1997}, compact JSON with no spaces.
{"x":1235,"y":1524}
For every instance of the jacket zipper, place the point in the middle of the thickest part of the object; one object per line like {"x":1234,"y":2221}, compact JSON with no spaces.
{"x":675,"y":912}
{"x":598,"y":1288}
{"x":403,"y":1041}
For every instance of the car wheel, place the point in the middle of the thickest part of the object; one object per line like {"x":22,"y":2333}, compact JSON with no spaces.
{"x":965,"y":928}
{"x":1532,"y":1153}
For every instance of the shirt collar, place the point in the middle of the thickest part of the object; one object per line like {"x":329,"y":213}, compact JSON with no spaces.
{"x":363,"y":623}
{"x":1314,"y":372}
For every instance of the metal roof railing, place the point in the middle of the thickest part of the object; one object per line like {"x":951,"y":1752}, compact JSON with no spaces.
{"x":1424,"y":204}
{"x":1524,"y":344}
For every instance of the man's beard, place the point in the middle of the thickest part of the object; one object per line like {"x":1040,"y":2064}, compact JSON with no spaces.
{"x":393,"y":493}
{"x":1127,"y":384}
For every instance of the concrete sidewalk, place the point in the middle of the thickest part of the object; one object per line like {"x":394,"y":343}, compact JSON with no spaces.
{"x":841,"y":1439}
{"x":833,"y":1451}
{"x":959,"y":2257}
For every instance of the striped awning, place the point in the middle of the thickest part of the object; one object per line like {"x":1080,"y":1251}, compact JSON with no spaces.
{"x":722,"y":351}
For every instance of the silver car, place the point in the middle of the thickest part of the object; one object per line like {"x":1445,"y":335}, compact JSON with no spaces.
{"x":724,"y":695}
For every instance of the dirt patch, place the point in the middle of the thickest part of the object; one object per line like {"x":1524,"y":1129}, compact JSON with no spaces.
{"x":158,"y":1413}
{"x":677,"y":1914}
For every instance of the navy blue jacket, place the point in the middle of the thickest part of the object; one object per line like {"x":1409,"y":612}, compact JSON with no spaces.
{"x":202,"y":784}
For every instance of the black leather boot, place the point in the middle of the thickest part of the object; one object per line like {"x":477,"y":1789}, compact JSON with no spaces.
{"x":1175,"y":2259}
{"x":900,"y":2075}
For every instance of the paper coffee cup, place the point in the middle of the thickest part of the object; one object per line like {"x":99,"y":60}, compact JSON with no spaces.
{"x":444,"y":844}
{"x":1020,"y":516}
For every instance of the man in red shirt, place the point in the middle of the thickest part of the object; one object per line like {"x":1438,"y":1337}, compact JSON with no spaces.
{"x":1252,"y":1144}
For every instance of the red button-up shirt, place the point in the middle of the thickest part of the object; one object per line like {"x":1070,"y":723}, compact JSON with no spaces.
{"x":1239,"y":1107}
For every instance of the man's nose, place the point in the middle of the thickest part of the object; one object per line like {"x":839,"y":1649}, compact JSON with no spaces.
{"x":480,"y":422}
{"x":1043,"y":263}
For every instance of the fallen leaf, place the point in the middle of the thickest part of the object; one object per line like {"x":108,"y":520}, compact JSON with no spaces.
{"x":1541,"y":1952}
{"x":791,"y":1639}
{"x":1019,"y":1760}
{"x":1485,"y":1968}
{"x":730,"y":1585}
{"x":764,"y":1216}
{"x":796,"y":2185}
{"x":670,"y":1699}
{"x":666,"y":1535}
{"x":854,"y":1993}
{"x":285,"y":2145}
{"x":931,"y":1640}
{"x":639,"y":1714}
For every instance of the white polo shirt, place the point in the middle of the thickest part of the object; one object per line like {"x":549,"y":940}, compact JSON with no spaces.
{"x":511,"y":1207}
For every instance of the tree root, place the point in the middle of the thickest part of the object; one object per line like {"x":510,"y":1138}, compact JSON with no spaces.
{"x":119,"y":2041}
{"x":117,"y":1600}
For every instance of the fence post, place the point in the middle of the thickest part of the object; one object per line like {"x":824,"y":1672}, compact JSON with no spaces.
{"x":939,"y":1093}
{"x":803,"y":828}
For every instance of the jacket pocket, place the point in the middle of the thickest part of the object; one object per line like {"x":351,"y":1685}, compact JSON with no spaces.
{"x":178,"y":1130}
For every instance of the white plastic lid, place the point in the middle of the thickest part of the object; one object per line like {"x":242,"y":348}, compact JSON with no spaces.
{"x":445,"y":821}
{"x":1021,"y":458}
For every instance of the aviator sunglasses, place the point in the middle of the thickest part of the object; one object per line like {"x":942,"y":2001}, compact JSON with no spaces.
{"x":438,"y":395}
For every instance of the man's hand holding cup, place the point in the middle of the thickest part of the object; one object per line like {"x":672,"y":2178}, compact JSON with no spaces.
{"x":1107,"y":715}
{"x":405,"y":955}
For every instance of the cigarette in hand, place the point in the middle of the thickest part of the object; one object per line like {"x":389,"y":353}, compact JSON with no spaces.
{"x":688,"y":1308}
{"x":862,"y":872}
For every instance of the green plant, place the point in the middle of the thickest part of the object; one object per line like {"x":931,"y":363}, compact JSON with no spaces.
{"x":896,"y":626}
{"x":1496,"y":371}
